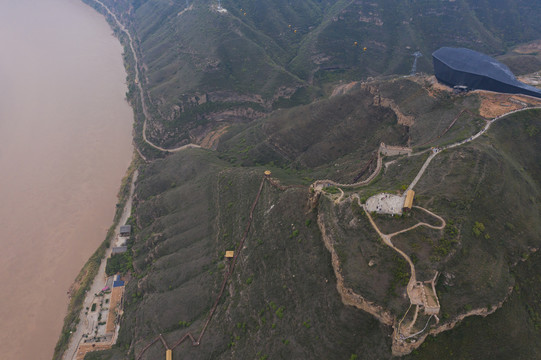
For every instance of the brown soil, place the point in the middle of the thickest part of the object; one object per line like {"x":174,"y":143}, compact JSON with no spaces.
{"x":116,"y":297}
{"x":84,"y":349}
{"x":431,"y":84}
{"x":210,"y":141}
{"x":531,"y":48}
{"x":531,"y":79}
{"x":388,"y":103}
{"x":343,"y":89}
{"x":494,"y":104}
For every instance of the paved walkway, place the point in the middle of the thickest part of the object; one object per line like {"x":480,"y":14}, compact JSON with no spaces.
{"x":436,"y":151}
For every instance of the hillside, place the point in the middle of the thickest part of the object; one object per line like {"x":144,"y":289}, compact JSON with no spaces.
{"x":282,"y":299}
{"x":206,"y":67}
{"x":319,"y":271}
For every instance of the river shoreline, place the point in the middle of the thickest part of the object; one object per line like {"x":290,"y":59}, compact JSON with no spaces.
{"x":65,"y":144}
{"x":89,"y":272}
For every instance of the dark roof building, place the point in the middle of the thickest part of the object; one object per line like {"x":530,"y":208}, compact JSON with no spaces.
{"x":119,"y":250}
{"x":464,"y":67}
{"x":125,"y":230}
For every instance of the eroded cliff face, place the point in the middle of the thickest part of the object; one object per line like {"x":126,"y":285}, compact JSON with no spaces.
{"x":349,"y":297}
{"x":196,"y":117}
{"x":402,"y":342}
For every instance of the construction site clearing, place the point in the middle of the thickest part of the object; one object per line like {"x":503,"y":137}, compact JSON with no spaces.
{"x":101,"y":318}
{"x":390,"y":204}
{"x":385,"y":204}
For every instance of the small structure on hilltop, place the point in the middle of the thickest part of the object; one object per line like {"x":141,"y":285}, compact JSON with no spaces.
{"x":169,"y":354}
{"x":408,"y":202}
{"x":267,"y":173}
{"x":125,"y":230}
{"x":229,"y":254}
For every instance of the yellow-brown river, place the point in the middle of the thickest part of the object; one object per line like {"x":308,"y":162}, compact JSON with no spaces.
{"x":65,"y":143}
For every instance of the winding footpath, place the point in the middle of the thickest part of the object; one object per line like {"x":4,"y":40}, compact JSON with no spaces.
{"x":415,"y":290}
{"x":320,"y":184}
{"x":436,"y":151}
{"x":412,"y":295}
{"x":140,"y":87}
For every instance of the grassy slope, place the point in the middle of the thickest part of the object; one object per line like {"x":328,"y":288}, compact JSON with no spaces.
{"x":516,"y":327}
{"x":512,"y":332}
{"x":278,"y":303}
{"x":198,"y":52}
{"x":314,"y":135}
{"x":475,"y":183}
{"x":192,"y":207}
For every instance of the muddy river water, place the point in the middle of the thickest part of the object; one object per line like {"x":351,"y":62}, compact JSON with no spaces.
{"x":65,"y":143}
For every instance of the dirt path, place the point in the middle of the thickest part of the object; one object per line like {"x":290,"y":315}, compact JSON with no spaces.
{"x":441,"y":227}
{"x":140,"y":87}
{"x":99,"y":283}
{"x":416,"y":291}
{"x":422,"y":171}
{"x":320,"y":184}
{"x":413,"y":296}
{"x":436,"y":151}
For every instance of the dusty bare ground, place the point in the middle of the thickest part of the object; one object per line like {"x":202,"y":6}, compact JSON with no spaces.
{"x":343,"y":88}
{"x":210,"y":141}
{"x":530,"y":48}
{"x":531,"y":79}
{"x":390,"y":150}
{"x":431,"y":84}
{"x":389,"y":103}
{"x":189,"y":8}
{"x":84,"y":349}
{"x":494,"y":104}
{"x":114,"y":309}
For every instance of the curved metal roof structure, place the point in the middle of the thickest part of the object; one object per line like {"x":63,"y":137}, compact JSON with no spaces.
{"x":465,"y":67}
